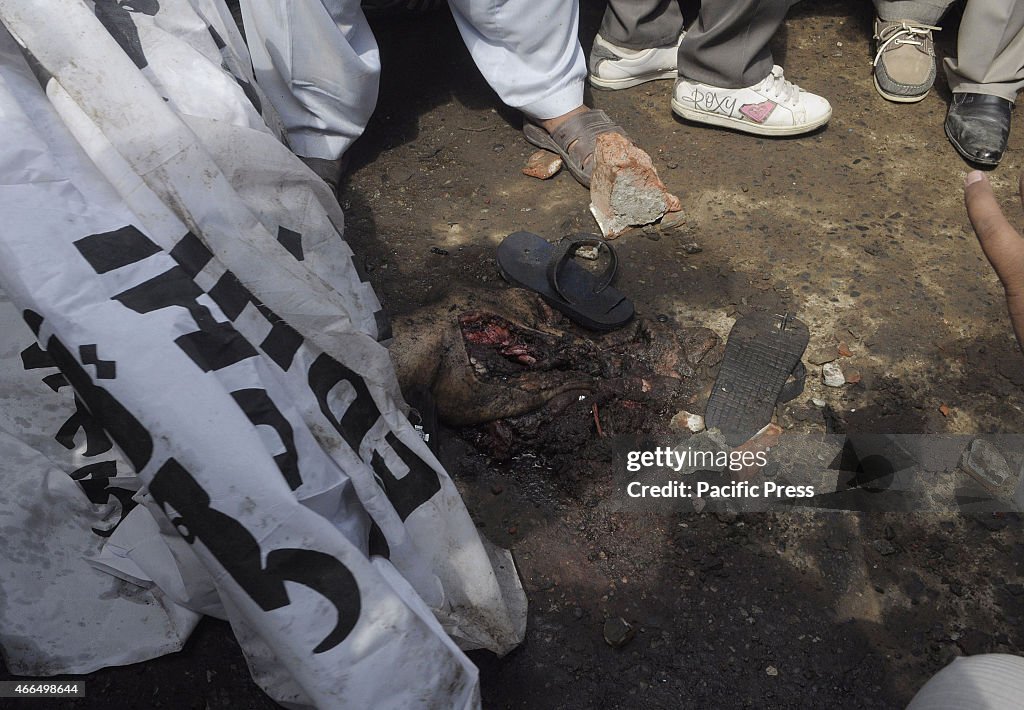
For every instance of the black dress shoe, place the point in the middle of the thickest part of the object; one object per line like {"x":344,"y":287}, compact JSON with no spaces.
{"x":978,"y":125}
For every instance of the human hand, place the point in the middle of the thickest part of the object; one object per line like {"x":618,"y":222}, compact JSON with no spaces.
{"x":1003,"y":245}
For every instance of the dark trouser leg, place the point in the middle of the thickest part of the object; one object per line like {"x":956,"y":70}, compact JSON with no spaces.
{"x":642,"y":24}
{"x":727,"y":46}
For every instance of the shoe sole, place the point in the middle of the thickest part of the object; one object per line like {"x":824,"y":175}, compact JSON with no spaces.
{"x":629,"y":82}
{"x":717,"y":119}
{"x":897,"y":97}
{"x":967,"y":156}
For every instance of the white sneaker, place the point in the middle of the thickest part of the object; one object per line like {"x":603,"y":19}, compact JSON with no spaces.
{"x":614,"y":67}
{"x":774,"y":107}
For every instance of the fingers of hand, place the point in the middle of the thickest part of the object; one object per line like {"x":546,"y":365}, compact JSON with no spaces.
{"x":1002,"y":244}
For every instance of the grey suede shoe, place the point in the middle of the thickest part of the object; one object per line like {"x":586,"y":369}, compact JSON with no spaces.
{"x":904,"y":65}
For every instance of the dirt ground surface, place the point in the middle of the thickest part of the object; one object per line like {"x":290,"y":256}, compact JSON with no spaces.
{"x":859,"y":230}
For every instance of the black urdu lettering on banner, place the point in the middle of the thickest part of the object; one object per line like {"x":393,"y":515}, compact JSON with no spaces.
{"x":35,"y":358}
{"x":215,"y":345}
{"x":248,"y":89}
{"x":112,"y":250}
{"x":191,"y":254}
{"x":187,"y":505}
{"x":96,"y":440}
{"x":126,"y":431}
{"x":94,"y":479}
{"x":105,"y":369}
{"x":116,"y":18}
{"x":282,"y":342}
{"x":378,"y":544}
{"x":412,"y":490}
{"x":292,"y":242}
{"x":261,"y":410}
{"x":420,"y":483}
{"x":56,"y":381}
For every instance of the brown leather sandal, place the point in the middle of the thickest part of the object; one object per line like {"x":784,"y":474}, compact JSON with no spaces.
{"x":575,"y":140}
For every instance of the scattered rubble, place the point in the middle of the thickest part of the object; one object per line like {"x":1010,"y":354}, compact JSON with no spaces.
{"x":883,"y":547}
{"x":618,"y":632}
{"x":763,"y":441}
{"x":543,"y":165}
{"x":822,"y":355}
{"x":832,"y":375}
{"x":687,"y":421}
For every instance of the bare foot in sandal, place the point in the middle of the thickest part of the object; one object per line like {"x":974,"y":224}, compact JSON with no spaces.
{"x":586,"y":141}
{"x":573,"y":136}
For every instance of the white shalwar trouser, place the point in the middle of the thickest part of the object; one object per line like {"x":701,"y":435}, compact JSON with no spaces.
{"x":318,"y":62}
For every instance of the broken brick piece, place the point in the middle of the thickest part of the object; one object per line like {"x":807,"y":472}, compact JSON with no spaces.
{"x":543,"y":165}
{"x":625,"y":190}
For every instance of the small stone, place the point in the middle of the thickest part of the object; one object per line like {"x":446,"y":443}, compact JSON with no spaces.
{"x":883,"y":547}
{"x":543,"y":165}
{"x":853,"y":377}
{"x":691,"y":248}
{"x":772,"y":671}
{"x":590,"y":253}
{"x":439,"y":251}
{"x":832,"y":375}
{"x":844,"y":350}
{"x":618,"y":632}
{"x":672,"y":220}
{"x":687,"y":421}
{"x":761,"y":442}
{"x":817,"y":402}
{"x":944,"y":409}
{"x":821,"y":356}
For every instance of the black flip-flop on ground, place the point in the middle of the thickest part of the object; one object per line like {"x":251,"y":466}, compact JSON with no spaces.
{"x":762,"y":353}
{"x":531,"y":262}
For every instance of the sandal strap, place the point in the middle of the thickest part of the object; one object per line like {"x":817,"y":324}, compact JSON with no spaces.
{"x":578,"y":135}
{"x":792,"y":389}
{"x":566,"y":248}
